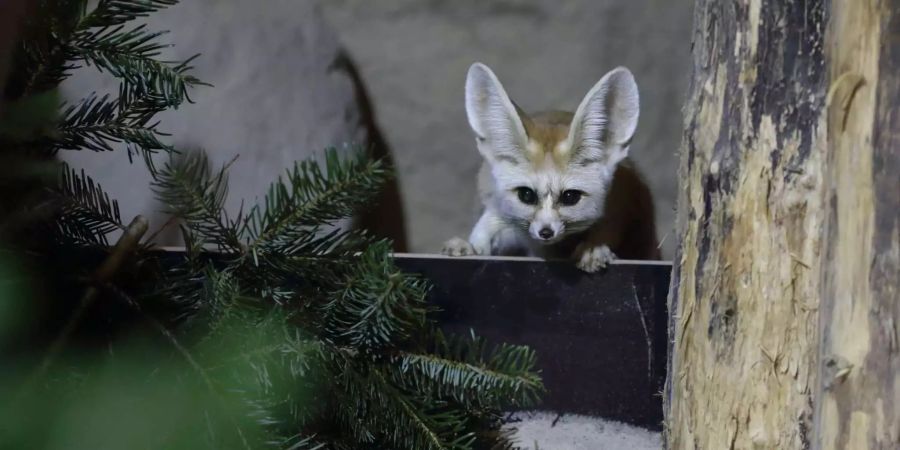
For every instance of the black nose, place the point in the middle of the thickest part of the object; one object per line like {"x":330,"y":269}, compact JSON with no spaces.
{"x":545,"y":233}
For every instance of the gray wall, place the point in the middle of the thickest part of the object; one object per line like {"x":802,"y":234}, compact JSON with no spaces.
{"x":276,"y":100}
{"x":414,"y":55}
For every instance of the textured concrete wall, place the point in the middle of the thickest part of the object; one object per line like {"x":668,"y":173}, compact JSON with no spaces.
{"x":414,"y":55}
{"x":275,"y":99}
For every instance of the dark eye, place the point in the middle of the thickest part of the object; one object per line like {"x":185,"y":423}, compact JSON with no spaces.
{"x":527,"y":195}
{"x":570,"y":197}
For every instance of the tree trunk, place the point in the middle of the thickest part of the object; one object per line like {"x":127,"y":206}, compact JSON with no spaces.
{"x":857,"y":404}
{"x":784,"y":292}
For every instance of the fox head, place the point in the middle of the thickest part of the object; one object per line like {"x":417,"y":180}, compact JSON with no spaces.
{"x":551,"y":172}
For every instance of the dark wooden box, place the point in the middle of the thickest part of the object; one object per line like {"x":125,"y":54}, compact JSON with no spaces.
{"x":601,"y":338}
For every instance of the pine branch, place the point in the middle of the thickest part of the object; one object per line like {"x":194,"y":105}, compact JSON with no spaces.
{"x":218,"y":300}
{"x":396,"y":418}
{"x":44,"y":65}
{"x":88,"y":214}
{"x":48,"y":56}
{"x":183,"y":283}
{"x":419,"y":428}
{"x":188,"y":189}
{"x":136,"y":42}
{"x":70,"y":35}
{"x":284,"y":380}
{"x":115,"y":12}
{"x":275,"y":367}
{"x":301,"y":443}
{"x":138,"y":109}
{"x":95,"y":123}
{"x":314,"y":242}
{"x":377,"y":305}
{"x":503,"y":379}
{"x":148,"y":86}
{"x":310,"y":198}
{"x":314,"y":265}
{"x":40,"y":61}
{"x":131,"y":57}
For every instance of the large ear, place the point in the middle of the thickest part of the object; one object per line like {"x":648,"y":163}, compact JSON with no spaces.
{"x":605,"y":121}
{"x":493,"y":116}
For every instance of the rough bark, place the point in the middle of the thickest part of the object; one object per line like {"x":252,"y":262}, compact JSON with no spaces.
{"x":858,"y":398}
{"x":788,"y":195}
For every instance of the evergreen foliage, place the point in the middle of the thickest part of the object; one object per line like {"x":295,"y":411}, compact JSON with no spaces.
{"x":272,"y":328}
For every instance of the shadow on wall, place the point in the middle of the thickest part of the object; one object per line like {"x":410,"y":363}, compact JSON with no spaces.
{"x":387,"y":218}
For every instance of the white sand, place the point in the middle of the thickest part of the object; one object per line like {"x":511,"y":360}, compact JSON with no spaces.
{"x":573,"y":432}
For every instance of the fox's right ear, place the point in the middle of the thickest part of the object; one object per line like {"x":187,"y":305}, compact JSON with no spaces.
{"x":605,"y":121}
{"x":493,"y":117}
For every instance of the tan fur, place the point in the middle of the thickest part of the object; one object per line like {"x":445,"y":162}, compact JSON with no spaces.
{"x":628,"y":225}
{"x":547,"y":133}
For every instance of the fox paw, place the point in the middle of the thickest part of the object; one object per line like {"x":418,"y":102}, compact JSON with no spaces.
{"x":458,"y":247}
{"x":591,"y":258}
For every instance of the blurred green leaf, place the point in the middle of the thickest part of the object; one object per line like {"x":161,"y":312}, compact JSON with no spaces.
{"x":14,"y":298}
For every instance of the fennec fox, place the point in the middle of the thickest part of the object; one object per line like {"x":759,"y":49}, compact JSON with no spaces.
{"x":558,"y":184}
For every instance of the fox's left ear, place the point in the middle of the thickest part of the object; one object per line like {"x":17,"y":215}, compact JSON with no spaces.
{"x":605,"y":121}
